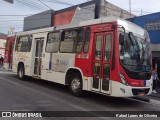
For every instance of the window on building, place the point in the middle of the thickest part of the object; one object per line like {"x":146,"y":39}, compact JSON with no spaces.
{"x":53,"y":41}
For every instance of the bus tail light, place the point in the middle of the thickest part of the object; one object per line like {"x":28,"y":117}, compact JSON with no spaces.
{"x":123,"y":79}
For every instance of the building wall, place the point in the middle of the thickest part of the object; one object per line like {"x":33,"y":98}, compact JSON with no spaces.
{"x":108,"y":9}
{"x":41,"y":20}
{"x":63,"y":18}
{"x":77,"y":13}
{"x":86,"y":11}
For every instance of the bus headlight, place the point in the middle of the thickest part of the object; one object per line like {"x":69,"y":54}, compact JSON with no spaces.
{"x":123,"y":79}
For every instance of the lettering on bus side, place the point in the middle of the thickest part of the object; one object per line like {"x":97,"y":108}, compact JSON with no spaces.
{"x":59,"y":65}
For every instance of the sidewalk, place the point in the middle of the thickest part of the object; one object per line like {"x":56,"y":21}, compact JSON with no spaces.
{"x":1,"y":67}
{"x":157,"y":90}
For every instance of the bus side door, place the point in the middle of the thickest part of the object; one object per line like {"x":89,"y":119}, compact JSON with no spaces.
{"x":102,"y":61}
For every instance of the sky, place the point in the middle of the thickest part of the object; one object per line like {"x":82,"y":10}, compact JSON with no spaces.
{"x":12,"y":15}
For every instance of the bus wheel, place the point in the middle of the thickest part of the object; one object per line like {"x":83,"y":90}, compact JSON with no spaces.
{"x":75,"y":85}
{"x":20,"y":72}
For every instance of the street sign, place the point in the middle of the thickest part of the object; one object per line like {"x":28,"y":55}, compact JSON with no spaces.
{"x":10,"y":1}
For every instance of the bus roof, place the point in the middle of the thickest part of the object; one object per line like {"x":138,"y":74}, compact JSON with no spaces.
{"x":74,"y":25}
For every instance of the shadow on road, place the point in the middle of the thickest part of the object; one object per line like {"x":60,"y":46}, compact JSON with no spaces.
{"x":89,"y":96}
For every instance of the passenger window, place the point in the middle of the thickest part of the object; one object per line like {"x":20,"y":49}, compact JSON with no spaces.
{"x":72,"y":41}
{"x":16,"y":44}
{"x":30,"y":39}
{"x":87,"y":40}
{"x":53,"y":42}
{"x":78,"y":42}
{"x":23,"y":44}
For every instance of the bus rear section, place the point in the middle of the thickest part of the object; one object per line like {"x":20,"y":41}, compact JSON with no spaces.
{"x":9,"y":52}
{"x":92,"y":56}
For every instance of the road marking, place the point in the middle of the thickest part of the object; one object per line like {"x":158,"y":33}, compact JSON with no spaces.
{"x":151,"y":101}
{"x":6,"y":72}
{"x":54,"y":98}
{"x":156,"y":102}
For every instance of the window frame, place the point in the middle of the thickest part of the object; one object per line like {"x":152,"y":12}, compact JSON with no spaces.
{"x":18,"y":40}
{"x":60,"y":32}
{"x":30,"y":45}
{"x":89,"y":28}
{"x":72,"y":29}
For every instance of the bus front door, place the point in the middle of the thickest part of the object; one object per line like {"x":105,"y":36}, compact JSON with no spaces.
{"x":102,"y":61}
{"x":38,"y":57}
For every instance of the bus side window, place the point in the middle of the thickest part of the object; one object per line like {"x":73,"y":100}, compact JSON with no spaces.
{"x":86,"y":40}
{"x":23,"y":44}
{"x":30,"y":42}
{"x":68,"y":41}
{"x":78,"y":42}
{"x":16,"y":46}
{"x":53,"y":41}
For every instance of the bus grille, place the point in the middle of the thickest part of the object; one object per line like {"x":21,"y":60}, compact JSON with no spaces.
{"x":137,"y":91}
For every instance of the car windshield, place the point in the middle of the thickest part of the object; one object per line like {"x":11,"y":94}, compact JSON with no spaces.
{"x":134,"y":52}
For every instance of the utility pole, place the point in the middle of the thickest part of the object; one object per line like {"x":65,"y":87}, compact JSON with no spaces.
{"x":141,"y":12}
{"x":130,"y":8}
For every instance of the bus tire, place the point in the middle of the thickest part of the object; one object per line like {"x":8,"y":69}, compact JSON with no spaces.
{"x":21,"y":72}
{"x":75,"y":85}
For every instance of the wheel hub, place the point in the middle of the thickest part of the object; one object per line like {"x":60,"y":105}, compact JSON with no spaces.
{"x":75,"y":84}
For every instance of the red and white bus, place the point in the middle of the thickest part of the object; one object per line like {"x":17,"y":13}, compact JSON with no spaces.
{"x":108,"y":56}
{"x":2,"y":46}
{"x":9,"y":52}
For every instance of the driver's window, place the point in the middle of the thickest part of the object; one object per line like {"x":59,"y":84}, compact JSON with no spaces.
{"x":121,"y":45}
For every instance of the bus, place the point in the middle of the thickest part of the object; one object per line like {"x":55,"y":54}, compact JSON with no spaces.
{"x":108,"y":56}
{"x":9,"y":52}
{"x":2,"y":46}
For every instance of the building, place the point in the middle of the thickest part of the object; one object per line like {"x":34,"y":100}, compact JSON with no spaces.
{"x":2,"y":35}
{"x":37,"y":21}
{"x":86,"y":11}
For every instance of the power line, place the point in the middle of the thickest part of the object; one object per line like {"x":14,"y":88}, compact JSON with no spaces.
{"x":13,"y":15}
{"x":45,"y":4}
{"x":60,"y":2}
{"x":48,"y":18}
{"x":31,"y":5}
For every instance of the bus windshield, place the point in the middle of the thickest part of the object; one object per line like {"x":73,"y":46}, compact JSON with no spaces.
{"x":134,"y":52}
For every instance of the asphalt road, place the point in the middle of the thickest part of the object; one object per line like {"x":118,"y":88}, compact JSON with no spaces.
{"x":40,"y":95}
